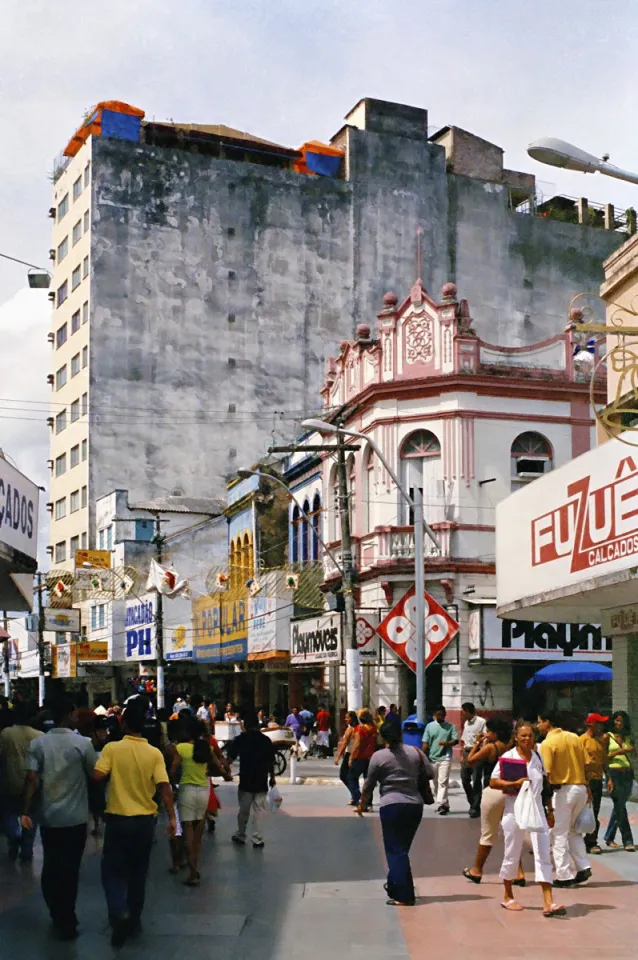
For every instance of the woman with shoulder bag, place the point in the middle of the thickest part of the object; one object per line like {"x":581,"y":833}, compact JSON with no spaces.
{"x":403,"y":775}
{"x":621,"y":779}
{"x":193,"y":758}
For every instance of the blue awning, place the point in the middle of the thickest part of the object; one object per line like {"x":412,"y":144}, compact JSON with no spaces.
{"x":581,"y":671}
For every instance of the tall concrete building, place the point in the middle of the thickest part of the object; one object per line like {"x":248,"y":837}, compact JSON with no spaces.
{"x":201,"y":276}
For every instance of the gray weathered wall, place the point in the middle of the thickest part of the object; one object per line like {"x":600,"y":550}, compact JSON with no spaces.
{"x":180,"y":242}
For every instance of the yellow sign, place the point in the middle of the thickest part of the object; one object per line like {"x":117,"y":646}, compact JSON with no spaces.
{"x":93,"y":558}
{"x":96,"y":652}
{"x":220,"y":624}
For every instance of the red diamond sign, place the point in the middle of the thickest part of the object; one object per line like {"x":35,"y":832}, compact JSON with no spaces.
{"x":398,"y":629}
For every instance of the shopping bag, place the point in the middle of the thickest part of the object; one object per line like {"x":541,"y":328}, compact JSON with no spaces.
{"x":275,"y":799}
{"x":585,"y":822}
{"x":527,"y":810}
{"x":213,"y":801}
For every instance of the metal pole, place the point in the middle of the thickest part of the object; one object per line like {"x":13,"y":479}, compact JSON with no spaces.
{"x":5,"y":658}
{"x":41,"y":646}
{"x":419,"y":587}
{"x":159,"y":620}
{"x":352,"y":655}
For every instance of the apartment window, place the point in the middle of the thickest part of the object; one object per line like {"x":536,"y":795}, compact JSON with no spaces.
{"x":75,"y":365}
{"x":85,"y":404}
{"x":84,"y":541}
{"x":85,"y":311}
{"x":87,"y":173}
{"x":60,"y":422}
{"x":60,"y":336}
{"x":101,"y":615}
{"x":531,"y":456}
{"x":75,"y":322}
{"x":85,"y":268}
{"x":76,"y":277}
{"x":144,"y":530}
{"x":109,"y":537}
{"x":62,"y":294}
{"x":77,"y":232}
{"x":93,"y":618}
{"x":75,"y":411}
{"x":85,"y":357}
{"x":60,"y":551}
{"x":60,"y":465}
{"x":74,"y":502}
{"x":75,"y":455}
{"x":63,"y":249}
{"x":60,"y":509}
{"x":100,"y":540}
{"x":77,"y":188}
{"x":85,"y":497}
{"x":60,"y":377}
{"x":74,"y":544}
{"x":87,"y":221}
{"x":85,"y":449}
{"x":63,"y":207}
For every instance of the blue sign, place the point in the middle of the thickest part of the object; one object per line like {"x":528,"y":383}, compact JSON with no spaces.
{"x":140,"y":630}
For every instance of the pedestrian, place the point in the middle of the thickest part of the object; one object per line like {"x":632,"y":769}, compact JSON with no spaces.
{"x":201,"y":710}
{"x":136,"y":771}
{"x":231,"y":712}
{"x":621,"y":778}
{"x":307,"y":719}
{"x":483,"y":756}
{"x":58,"y":767}
{"x":293,"y":721}
{"x":393,"y":714}
{"x":323,"y":732}
{"x":223,"y":769}
{"x":15,"y":741}
{"x":345,"y":749}
{"x":363,"y":748}
{"x":439,"y":737}
{"x":256,"y":755}
{"x":192,"y":757}
{"x":564,"y":759}
{"x":402,"y":773}
{"x":471,"y":776}
{"x":97,"y":791}
{"x":262,"y":718}
{"x":524,"y":749}
{"x":594,"y":742}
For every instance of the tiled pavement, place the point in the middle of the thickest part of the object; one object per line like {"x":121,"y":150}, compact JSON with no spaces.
{"x":316,"y":891}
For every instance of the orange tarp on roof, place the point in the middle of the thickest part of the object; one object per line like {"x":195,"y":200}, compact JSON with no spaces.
{"x":93,"y":124}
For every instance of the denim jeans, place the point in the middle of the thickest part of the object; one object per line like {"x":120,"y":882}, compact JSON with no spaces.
{"x":63,"y":848}
{"x":358,"y":769}
{"x":20,"y":841}
{"x":596,"y":787}
{"x":622,"y":781}
{"x":128,"y":842}
{"x":472,"y":781}
{"x":399,"y":824}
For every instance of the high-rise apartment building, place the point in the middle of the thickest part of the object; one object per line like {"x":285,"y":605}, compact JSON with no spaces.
{"x":202,"y":276}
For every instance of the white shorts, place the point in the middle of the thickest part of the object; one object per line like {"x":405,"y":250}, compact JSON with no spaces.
{"x":323,"y":738}
{"x":192,"y":802}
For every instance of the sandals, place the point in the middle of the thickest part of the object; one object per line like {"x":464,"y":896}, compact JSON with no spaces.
{"x":612,"y":844}
{"x":398,"y":903}
{"x":556,"y":910}
{"x":595,"y":850}
{"x":630,"y":848}
{"x":512,"y":905}
{"x":471,"y":876}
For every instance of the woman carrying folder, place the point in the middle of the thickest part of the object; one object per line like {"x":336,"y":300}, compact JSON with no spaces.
{"x":514,"y":768}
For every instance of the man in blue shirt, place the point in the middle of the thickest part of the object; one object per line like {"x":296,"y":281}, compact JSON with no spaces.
{"x":439,"y":737}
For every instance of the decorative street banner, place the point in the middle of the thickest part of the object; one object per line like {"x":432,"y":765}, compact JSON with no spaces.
{"x":398,"y":629}
{"x":367,"y":637}
{"x":316,"y":639}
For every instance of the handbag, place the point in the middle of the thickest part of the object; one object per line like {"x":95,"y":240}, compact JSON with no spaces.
{"x":426,"y":773}
{"x":527,"y":810}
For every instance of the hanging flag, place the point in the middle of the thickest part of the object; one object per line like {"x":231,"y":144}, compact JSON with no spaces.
{"x":292,"y":581}
{"x":61,"y":588}
{"x":398,"y":629}
{"x":166,"y":582}
{"x":221,"y":581}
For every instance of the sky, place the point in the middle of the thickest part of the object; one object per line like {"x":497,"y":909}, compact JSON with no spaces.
{"x":287,"y":71}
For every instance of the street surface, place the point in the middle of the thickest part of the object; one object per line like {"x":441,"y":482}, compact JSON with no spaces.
{"x":316,"y":891}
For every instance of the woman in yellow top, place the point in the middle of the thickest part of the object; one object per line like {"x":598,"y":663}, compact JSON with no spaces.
{"x":192,"y":758}
{"x":621,"y":777}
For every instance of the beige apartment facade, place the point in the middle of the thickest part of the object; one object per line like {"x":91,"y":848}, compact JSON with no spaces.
{"x":69,"y":372}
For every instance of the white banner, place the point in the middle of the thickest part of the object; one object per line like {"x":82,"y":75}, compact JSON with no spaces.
{"x":526,"y":640}
{"x":269,"y":615}
{"x":18,"y":511}
{"x":316,"y":640}
{"x":61,"y":621}
{"x":368,"y":640}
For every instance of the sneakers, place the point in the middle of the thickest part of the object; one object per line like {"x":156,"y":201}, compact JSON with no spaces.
{"x":258,"y":844}
{"x":443,"y":811}
{"x":582,"y":876}
{"x":564,"y":883}
{"x":240,"y":841}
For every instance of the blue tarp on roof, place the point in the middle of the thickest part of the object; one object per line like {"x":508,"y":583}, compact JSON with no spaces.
{"x":322,"y":164}
{"x":120,"y":125}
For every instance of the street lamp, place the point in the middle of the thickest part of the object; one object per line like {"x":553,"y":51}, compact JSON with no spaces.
{"x":38,"y":278}
{"x":559,"y":153}
{"x":420,"y":525}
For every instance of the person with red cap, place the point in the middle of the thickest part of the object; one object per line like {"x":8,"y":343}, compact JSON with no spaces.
{"x":594,"y":742}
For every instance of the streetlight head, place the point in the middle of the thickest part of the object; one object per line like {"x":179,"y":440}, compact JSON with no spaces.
{"x":559,"y":153}
{"x":320,"y":425}
{"x":39,"y":279}
{"x":244,"y":474}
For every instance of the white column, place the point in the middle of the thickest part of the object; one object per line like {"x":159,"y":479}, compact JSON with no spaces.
{"x":625,"y":680}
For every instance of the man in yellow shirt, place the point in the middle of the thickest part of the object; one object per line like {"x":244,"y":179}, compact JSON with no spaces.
{"x":137,"y":771}
{"x":564,"y":759}
{"x":595,"y":746}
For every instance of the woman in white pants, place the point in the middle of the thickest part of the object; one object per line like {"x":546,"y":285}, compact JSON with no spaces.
{"x":514,"y":836}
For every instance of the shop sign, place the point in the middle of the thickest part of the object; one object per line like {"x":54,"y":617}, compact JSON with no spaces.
{"x":398,"y":629}
{"x":220,"y":629}
{"x":178,"y":629}
{"x":63,"y":660}
{"x":61,"y":621}
{"x":316,"y":639}
{"x":619,"y":621}
{"x":100,"y":559}
{"x":139,"y":627}
{"x":368,"y":641}
{"x":95,"y":652}
{"x":18,"y":511}
{"x":269,"y":616}
{"x":525,"y":640}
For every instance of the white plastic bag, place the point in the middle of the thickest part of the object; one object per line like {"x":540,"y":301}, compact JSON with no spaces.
{"x":527,"y":810}
{"x":585,"y":821}
{"x":275,"y":799}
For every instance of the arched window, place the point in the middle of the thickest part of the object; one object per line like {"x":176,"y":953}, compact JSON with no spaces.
{"x":247,"y":560}
{"x":294,"y":535}
{"x":305,"y":533}
{"x":421,"y":469}
{"x":531,"y":456}
{"x":316,"y":526}
{"x":232,"y":560}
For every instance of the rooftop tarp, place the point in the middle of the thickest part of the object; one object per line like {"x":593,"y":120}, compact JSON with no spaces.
{"x":104,"y":113}
{"x":319,"y":159}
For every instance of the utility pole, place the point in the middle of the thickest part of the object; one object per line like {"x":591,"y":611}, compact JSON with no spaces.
{"x":352,"y":655}
{"x":5,"y":660}
{"x":159,"y":540}
{"x":41,"y":645}
{"x":419,"y":590}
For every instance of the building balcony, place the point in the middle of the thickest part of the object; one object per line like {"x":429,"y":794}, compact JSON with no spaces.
{"x":389,"y":545}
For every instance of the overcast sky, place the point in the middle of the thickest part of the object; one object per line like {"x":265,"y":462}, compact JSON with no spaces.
{"x":507,"y":70}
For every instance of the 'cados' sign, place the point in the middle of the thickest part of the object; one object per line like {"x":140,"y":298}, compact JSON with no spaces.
{"x":18,"y":510}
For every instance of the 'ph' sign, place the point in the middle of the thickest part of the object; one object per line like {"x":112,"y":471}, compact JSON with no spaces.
{"x":139,"y":630}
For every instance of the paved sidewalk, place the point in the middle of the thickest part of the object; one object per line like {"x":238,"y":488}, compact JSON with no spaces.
{"x":316,"y":892}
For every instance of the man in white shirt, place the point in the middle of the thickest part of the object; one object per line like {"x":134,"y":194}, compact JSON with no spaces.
{"x":471,"y":777}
